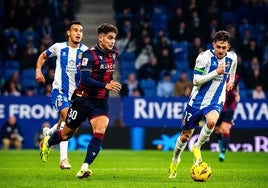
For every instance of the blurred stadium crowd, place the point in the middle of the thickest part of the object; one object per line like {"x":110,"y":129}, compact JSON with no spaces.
{"x":28,"y":27}
{"x":158,"y":42}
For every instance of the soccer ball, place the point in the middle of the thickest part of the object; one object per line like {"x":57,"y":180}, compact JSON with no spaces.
{"x":200,"y":172}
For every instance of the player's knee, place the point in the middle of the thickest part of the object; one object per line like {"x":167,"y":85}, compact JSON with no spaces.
{"x":211,"y":124}
{"x":66,"y":135}
{"x":185,"y":137}
{"x":225,"y":131}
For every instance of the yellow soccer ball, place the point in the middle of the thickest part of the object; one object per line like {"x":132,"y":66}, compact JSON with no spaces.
{"x":200,"y":172}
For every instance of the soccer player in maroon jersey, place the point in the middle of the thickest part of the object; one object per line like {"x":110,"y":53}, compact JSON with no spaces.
{"x":225,"y":122}
{"x":89,"y":100}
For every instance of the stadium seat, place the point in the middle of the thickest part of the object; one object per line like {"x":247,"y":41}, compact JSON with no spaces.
{"x":11,"y":64}
{"x":28,"y":79}
{"x":182,"y":65}
{"x":175,"y":77}
{"x":28,"y":73}
{"x":241,"y":85}
{"x":8,"y":72}
{"x":245,"y":94}
{"x":180,"y":50}
{"x":126,"y":67}
{"x":159,"y":19}
{"x":127,"y":56}
{"x":228,"y":17}
{"x":149,"y":87}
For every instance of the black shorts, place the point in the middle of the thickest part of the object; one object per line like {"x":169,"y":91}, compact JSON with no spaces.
{"x":83,"y":108}
{"x":226,"y":116}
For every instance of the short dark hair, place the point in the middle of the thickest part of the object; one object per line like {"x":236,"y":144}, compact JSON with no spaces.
{"x":106,"y":28}
{"x":222,"y":36}
{"x":73,"y":23}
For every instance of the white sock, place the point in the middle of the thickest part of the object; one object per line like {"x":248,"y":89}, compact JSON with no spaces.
{"x":203,"y":136}
{"x":62,"y":124}
{"x":63,"y":150}
{"x":84,"y":166}
{"x":63,"y":146}
{"x":178,"y":150}
{"x":52,"y":130}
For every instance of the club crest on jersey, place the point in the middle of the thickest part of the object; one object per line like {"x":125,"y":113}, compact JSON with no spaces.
{"x":199,"y":63}
{"x":71,"y":62}
{"x":228,"y":64}
{"x":214,"y":63}
{"x":59,"y":103}
{"x":80,"y":55}
{"x":84,"y":61}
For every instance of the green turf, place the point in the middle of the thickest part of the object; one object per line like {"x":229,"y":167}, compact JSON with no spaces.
{"x":127,"y":169}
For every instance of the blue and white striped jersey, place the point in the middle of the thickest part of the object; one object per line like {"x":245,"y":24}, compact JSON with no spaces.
{"x":209,"y":87}
{"x":67,"y":74}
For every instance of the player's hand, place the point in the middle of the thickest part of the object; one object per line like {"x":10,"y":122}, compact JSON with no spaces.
{"x":39,"y":77}
{"x":229,"y":86}
{"x":113,"y":86}
{"x":237,"y":97}
{"x":221,"y":68}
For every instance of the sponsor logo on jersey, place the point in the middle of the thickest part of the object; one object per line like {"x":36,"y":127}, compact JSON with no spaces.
{"x":80,"y":55}
{"x":228,"y":64}
{"x":214,"y":63}
{"x":107,"y":66}
{"x":59,"y":103}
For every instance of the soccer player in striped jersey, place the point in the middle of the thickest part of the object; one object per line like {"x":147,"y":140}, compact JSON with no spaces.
{"x":225,"y":121}
{"x":212,"y":68}
{"x":90,"y":97}
{"x":67,"y":75}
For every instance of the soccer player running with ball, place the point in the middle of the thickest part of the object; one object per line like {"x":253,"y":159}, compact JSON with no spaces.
{"x":89,"y":100}
{"x":212,"y":68}
{"x":225,"y":121}
{"x":67,"y":75}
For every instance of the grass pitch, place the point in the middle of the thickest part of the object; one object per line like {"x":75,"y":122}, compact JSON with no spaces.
{"x":131,"y":169}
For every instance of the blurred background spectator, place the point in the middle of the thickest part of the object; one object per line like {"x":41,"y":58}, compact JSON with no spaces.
{"x":258,"y":92}
{"x":28,"y":27}
{"x":165,"y":86}
{"x":131,"y":87}
{"x":183,"y":29}
{"x":12,"y":86}
{"x":173,"y":32}
{"x":150,"y":70}
{"x":11,"y":135}
{"x":183,"y":86}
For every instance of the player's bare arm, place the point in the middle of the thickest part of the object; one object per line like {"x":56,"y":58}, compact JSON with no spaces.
{"x":39,"y":77}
